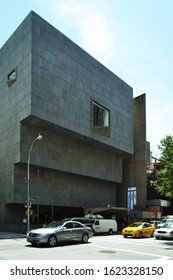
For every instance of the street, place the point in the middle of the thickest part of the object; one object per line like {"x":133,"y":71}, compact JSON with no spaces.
{"x":105,"y":247}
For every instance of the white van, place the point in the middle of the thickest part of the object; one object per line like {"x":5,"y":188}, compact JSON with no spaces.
{"x":104,"y":226}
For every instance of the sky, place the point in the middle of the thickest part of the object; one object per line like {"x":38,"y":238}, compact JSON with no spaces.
{"x":132,"y":38}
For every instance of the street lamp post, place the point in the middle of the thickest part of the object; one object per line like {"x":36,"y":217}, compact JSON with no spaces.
{"x":39,"y":137}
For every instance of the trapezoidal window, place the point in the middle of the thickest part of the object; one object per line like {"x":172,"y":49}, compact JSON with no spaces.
{"x":11,"y":78}
{"x":101,"y":116}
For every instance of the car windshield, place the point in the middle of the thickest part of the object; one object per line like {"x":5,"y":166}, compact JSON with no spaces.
{"x":54,"y":224}
{"x":168,"y":225}
{"x":136,"y":225}
{"x":166,"y":221}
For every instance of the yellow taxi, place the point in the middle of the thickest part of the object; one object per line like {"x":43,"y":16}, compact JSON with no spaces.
{"x":139,"y":229}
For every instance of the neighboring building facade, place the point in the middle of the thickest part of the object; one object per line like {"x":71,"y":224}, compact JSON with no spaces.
{"x":94,"y":133}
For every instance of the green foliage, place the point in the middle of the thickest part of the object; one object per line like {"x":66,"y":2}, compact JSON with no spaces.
{"x":164,"y":177}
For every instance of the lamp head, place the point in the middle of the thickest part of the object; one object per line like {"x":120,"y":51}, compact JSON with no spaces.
{"x":39,"y":137}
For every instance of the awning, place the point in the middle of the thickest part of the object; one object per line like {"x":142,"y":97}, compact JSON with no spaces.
{"x":109,"y":210}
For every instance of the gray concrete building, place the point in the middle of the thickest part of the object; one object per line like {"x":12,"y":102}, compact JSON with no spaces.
{"x":94,"y":132}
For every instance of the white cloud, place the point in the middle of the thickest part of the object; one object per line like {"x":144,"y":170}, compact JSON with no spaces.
{"x":90,"y":22}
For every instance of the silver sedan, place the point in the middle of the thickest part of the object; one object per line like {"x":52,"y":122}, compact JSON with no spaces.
{"x":164,"y":232}
{"x":59,"y":232}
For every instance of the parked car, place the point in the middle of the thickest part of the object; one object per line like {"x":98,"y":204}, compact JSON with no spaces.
{"x":104,"y":226}
{"x":82,"y":220}
{"x":168,"y":219}
{"x":155,"y":222}
{"x":97,"y":225}
{"x":165,"y":232}
{"x":139,"y":229}
{"x":59,"y":231}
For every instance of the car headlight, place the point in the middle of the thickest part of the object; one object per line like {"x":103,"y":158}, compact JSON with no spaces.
{"x":43,"y":234}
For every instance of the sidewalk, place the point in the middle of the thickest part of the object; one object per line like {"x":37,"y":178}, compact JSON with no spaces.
{"x":8,"y":235}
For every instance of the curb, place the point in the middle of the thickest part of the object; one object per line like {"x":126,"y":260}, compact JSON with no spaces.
{"x":10,"y":235}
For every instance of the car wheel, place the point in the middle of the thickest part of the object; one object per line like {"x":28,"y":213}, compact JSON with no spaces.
{"x":158,"y":237}
{"x":52,"y":241}
{"x":140,"y":234}
{"x":93,"y":231}
{"x":152,"y":234}
{"x":110,"y":232}
{"x":85,"y":238}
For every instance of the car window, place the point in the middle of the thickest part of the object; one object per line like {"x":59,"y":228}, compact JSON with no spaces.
{"x":68,"y":225}
{"x":170,"y":225}
{"x":97,"y":223}
{"x":54,"y":224}
{"x":168,"y":221}
{"x":136,"y":225}
{"x":146,"y":225}
{"x":76,"y":225}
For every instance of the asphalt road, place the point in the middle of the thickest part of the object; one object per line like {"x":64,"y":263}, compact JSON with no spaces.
{"x":105,"y":247}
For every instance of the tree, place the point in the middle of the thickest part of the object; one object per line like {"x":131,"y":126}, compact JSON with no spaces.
{"x":164,"y":177}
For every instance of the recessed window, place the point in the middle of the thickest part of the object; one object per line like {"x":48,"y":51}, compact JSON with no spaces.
{"x":101,"y":116}
{"x":11,"y":78}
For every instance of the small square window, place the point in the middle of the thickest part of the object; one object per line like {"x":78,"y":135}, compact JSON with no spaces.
{"x":101,"y":116}
{"x":11,"y":78}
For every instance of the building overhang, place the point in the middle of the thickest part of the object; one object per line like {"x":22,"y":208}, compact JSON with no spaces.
{"x":109,"y":210}
{"x":43,"y":124}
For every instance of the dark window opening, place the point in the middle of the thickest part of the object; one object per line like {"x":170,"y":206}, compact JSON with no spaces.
{"x":100,"y":116}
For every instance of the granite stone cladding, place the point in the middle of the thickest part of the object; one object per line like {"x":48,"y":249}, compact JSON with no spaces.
{"x":53,"y":93}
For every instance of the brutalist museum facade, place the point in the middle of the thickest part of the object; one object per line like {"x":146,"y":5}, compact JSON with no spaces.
{"x":93,"y":131}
